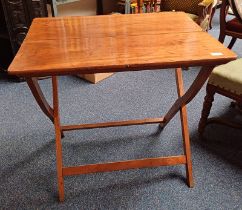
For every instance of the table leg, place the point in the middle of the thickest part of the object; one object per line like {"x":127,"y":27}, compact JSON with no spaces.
{"x":40,"y":99}
{"x":185,"y":130}
{"x":59,"y":163}
{"x":179,"y":105}
{"x":189,"y":95}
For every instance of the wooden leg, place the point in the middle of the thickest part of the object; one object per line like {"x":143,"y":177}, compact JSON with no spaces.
{"x":99,"y":4}
{"x":59,"y":163}
{"x":221,"y":37}
{"x":53,"y":5}
{"x":189,"y":95}
{"x":231,"y":44}
{"x":211,"y":90}
{"x":40,"y":99}
{"x":211,"y":17}
{"x":207,"y":104}
{"x":185,"y":130}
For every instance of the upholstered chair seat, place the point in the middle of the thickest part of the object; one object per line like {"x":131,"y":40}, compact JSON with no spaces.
{"x":193,"y":17}
{"x":228,"y":77}
{"x":234,"y":25}
{"x":227,"y":81}
{"x":232,"y":28}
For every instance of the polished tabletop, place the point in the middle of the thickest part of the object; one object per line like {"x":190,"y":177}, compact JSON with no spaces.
{"x":112,"y":43}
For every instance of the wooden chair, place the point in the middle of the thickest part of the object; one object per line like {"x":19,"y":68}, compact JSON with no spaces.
{"x":232,"y":27}
{"x":227,"y":81}
{"x":199,"y":10}
{"x":216,"y":5}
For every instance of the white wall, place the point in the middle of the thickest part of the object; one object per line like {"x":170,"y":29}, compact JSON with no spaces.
{"x":85,"y":7}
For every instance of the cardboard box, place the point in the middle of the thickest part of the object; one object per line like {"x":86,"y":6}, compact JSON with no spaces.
{"x":94,"y":78}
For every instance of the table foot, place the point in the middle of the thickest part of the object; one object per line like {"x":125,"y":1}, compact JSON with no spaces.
{"x":162,"y":125}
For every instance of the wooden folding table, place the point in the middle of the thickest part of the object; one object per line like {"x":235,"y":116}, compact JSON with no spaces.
{"x":116,"y":43}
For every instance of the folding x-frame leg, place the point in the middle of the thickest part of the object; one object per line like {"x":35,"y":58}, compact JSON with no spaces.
{"x":179,"y":105}
{"x":59,"y":160}
{"x":40,"y":99}
{"x":185,"y":131}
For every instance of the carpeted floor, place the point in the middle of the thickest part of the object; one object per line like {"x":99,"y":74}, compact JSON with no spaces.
{"x":27,"y":148}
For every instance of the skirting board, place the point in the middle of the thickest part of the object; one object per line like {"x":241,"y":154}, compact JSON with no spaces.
{"x":94,"y":78}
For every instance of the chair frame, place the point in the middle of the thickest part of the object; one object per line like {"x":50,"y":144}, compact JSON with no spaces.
{"x":203,"y":13}
{"x":223,"y":30}
{"x":216,"y":5}
{"x":207,"y":104}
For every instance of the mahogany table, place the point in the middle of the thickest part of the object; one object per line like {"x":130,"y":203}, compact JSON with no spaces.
{"x":116,"y":43}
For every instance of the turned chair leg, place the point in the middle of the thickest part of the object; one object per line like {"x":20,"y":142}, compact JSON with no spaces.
{"x":221,"y":37}
{"x":211,"y":17}
{"x":207,"y":104}
{"x":231,"y":44}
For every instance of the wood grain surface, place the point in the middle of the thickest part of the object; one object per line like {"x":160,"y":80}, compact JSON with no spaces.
{"x":112,"y":43}
{"x":111,"y":25}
